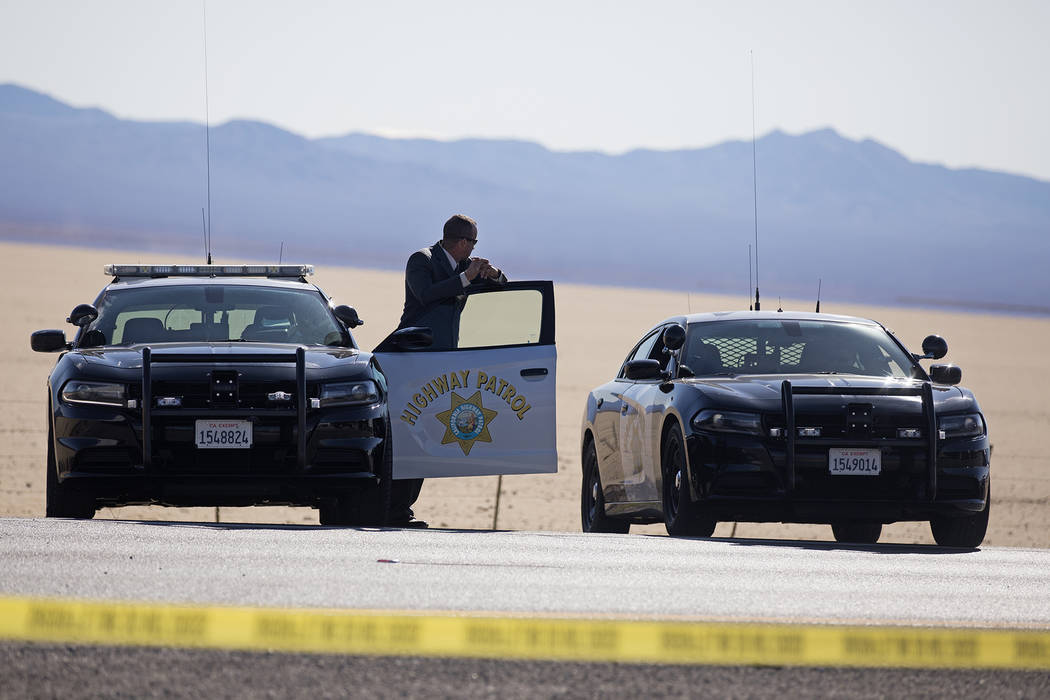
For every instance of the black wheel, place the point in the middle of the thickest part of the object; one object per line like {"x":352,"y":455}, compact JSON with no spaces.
{"x":61,"y":501}
{"x":967,"y":531}
{"x":592,"y":500}
{"x":682,"y":517}
{"x":369,"y":506}
{"x":857,"y":531}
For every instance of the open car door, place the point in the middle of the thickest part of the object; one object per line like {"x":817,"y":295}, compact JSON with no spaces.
{"x":487,"y":406}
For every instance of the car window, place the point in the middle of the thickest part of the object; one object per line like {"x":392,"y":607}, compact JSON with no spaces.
{"x":214,"y":313}
{"x":498,"y":318}
{"x":642,"y":350}
{"x":793,"y":347}
{"x":659,"y":352}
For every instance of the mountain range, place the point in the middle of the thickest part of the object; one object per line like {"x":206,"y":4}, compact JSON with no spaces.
{"x":868,"y":223}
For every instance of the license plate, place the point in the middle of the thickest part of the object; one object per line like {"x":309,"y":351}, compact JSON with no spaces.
{"x":854,"y":461}
{"x":224,"y":434}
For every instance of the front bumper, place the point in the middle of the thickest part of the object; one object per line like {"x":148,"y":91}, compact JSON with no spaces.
{"x":787,"y":479}
{"x":100,"y":451}
{"x":744,"y":478}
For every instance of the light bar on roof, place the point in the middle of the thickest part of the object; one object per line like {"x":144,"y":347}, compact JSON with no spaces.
{"x":117,"y":270}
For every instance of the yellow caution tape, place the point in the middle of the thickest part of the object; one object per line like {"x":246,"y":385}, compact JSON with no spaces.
{"x":626,"y":641}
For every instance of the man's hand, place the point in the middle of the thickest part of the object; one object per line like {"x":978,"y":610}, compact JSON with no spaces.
{"x":477,"y":267}
{"x":490,"y":272}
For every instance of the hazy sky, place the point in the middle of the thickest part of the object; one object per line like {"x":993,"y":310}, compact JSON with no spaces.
{"x":959,"y":83}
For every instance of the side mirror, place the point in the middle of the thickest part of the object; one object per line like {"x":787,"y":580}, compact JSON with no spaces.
{"x":414,"y":338}
{"x":348,"y":315}
{"x":48,"y":341}
{"x":82,"y":315}
{"x":934,"y":347}
{"x":643,"y":369}
{"x":946,"y":374}
{"x":674,"y":337}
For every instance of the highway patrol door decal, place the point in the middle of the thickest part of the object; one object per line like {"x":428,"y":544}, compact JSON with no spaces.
{"x":478,"y":417}
{"x":487,"y":407}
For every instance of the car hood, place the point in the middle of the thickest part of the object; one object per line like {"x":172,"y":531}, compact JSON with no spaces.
{"x":130,"y":357}
{"x":764,"y":391}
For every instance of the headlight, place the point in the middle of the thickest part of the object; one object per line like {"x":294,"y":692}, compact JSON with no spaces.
{"x":98,"y":393}
{"x":728,"y":422}
{"x":967,"y":425}
{"x":349,"y":393}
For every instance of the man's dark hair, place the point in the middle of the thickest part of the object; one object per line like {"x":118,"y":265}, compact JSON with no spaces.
{"x":460,"y":226}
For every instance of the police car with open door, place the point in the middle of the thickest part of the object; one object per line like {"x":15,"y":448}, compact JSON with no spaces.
{"x":236,"y":385}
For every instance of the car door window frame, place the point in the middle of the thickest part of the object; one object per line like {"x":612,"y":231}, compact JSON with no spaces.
{"x":547,"y":319}
{"x":634,"y":351}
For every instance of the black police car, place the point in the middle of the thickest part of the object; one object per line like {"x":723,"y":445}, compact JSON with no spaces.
{"x":784,"y":417}
{"x":226,"y":385}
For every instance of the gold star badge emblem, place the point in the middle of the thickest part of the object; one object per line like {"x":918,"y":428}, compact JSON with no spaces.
{"x":466,"y":422}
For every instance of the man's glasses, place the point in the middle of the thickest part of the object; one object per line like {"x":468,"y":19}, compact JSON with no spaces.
{"x":473,"y":241}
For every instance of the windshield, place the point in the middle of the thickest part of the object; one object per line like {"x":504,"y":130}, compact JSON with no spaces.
{"x":213,"y":313}
{"x":793,"y":347}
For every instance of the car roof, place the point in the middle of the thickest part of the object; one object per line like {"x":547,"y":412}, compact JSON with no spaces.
{"x":173,"y":281}
{"x":764,"y":316}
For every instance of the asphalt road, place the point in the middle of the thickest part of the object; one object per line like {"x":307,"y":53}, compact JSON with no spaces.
{"x":523,"y":572}
{"x":520,"y":573}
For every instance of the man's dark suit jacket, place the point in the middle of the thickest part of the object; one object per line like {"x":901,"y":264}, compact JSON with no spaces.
{"x":434,"y":294}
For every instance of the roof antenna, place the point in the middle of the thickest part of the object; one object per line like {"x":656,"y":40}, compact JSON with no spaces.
{"x":754,"y":173}
{"x":750,"y":306}
{"x":819,"y":280}
{"x":207,"y":137}
{"x":280,"y":257}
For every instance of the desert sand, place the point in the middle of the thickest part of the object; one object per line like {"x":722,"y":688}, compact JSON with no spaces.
{"x":1001,"y":358}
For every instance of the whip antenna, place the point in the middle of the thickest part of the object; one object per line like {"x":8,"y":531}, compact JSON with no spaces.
{"x":819,"y":280}
{"x":754,"y":175}
{"x":750,"y":306}
{"x":280,"y":256}
{"x":207,"y":138}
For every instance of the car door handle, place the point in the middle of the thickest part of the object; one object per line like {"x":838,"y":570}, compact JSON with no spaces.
{"x":534,"y":372}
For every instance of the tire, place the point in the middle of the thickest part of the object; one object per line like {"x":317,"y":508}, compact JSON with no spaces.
{"x":967,"y":531}
{"x":857,"y":531}
{"x":682,"y":517}
{"x":592,"y":500}
{"x":369,"y":506}
{"x":61,"y":501}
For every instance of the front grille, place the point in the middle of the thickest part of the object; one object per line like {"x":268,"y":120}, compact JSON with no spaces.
{"x":904,"y":475}
{"x":218,"y":393}
{"x":273,"y":448}
{"x":843,"y":424}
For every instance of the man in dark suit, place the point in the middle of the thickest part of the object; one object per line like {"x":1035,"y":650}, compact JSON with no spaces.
{"x":435,"y":279}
